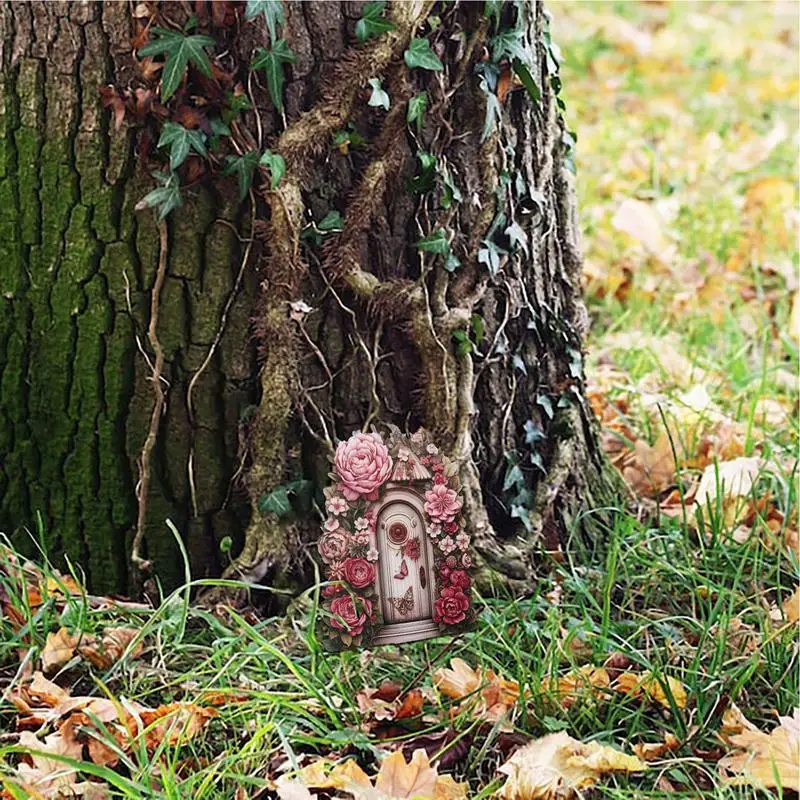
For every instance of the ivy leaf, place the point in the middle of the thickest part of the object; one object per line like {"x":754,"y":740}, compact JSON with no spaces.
{"x":180,"y":140}
{"x":276,"y":502}
{"x":272,"y":61}
{"x":435,"y":242}
{"x":165,"y":198}
{"x":575,"y":362}
{"x":490,"y":254}
{"x":519,"y":363}
{"x":179,"y":50}
{"x":275,"y":164}
{"x":372,"y":22}
{"x":416,"y":109}
{"x":524,"y":74}
{"x":517,"y":235}
{"x":493,"y":111}
{"x":331,"y":222}
{"x":509,"y":44}
{"x":533,"y":433}
{"x":379,"y":97}
{"x":514,"y":477}
{"x":464,"y":344}
{"x":452,"y":262}
{"x":419,"y":54}
{"x":521,"y":513}
{"x":243,"y":167}
{"x":272,"y":11}
{"x":479,"y":327}
{"x":451,"y":191}
{"x":546,"y":403}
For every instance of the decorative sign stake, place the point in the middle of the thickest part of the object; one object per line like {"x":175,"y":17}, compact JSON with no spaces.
{"x":394,"y":544}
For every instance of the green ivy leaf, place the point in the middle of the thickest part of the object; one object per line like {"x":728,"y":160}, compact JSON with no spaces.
{"x":180,"y":141}
{"x":479,"y":327}
{"x":533,"y":433}
{"x":517,"y":235}
{"x":272,"y":61}
{"x":416,"y":109}
{"x":180,"y":50}
{"x":523,"y":515}
{"x":490,"y":255}
{"x":514,"y":477}
{"x":272,"y":11}
{"x":166,"y":197}
{"x":464,"y":345}
{"x":419,"y":54}
{"x":546,"y":404}
{"x":243,"y":168}
{"x":379,"y":97}
{"x":275,"y":164}
{"x":452,"y":262}
{"x":276,"y":502}
{"x":435,"y":242}
{"x":524,"y":74}
{"x":493,"y":111}
{"x":372,"y":22}
{"x":451,"y":192}
{"x":331,"y":222}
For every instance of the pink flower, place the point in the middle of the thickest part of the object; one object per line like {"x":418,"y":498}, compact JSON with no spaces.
{"x":466,"y":560}
{"x":403,"y":454}
{"x":336,"y":570}
{"x":447,"y":545}
{"x":362,"y":538}
{"x":451,"y":561}
{"x":460,"y":579}
{"x":372,"y":554}
{"x":361,"y":524}
{"x":445,"y":571}
{"x":451,"y":527}
{"x":434,"y":530}
{"x":332,"y":546}
{"x":336,"y":505}
{"x":333,"y":589}
{"x":412,"y":549}
{"x":331,"y":524}
{"x":354,"y":613}
{"x":363,"y":465}
{"x":437,"y":466}
{"x":372,"y":517}
{"x":462,"y":541}
{"x":439,"y":479}
{"x":441,"y":503}
{"x":451,"y":607}
{"x":358,"y":572}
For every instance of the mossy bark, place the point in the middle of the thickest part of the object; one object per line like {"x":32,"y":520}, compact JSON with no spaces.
{"x":381,"y":342}
{"x":76,"y":269}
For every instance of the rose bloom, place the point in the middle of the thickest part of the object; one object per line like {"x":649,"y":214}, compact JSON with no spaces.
{"x":358,"y":572}
{"x":439,"y":479}
{"x":466,"y":560}
{"x":462,"y":541}
{"x":331,"y":524}
{"x":361,"y":524}
{"x":333,"y":589}
{"x":445,"y":571}
{"x":451,"y":527}
{"x":460,"y":579}
{"x":451,"y":607}
{"x":451,"y":562}
{"x":332,"y":546}
{"x":441,"y":503}
{"x":447,"y":545}
{"x":363,"y":465}
{"x":336,"y":505}
{"x":354,"y":614}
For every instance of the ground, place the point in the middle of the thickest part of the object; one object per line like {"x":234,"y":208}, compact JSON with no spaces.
{"x":685,"y":117}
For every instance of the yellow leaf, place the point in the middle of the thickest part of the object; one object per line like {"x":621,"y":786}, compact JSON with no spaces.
{"x":559,"y":766}
{"x":641,"y":221}
{"x":654,"y":751}
{"x":584,"y":682}
{"x":458,"y":681}
{"x":733,"y":480}
{"x":397,"y":779}
{"x":448,"y":789}
{"x":649,"y":686}
{"x":767,"y":760}
{"x":791,"y":606}
{"x":58,"y":649}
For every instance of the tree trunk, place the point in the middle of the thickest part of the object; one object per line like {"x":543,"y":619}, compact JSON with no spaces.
{"x":312,"y":334}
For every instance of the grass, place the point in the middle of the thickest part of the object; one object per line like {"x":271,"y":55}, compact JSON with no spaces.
{"x":667,"y":124}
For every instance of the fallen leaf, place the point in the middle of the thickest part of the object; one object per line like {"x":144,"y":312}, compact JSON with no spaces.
{"x":647,"y":685}
{"x":497,"y":695}
{"x":59,"y":648}
{"x":558,"y":766}
{"x":641,"y":221}
{"x":657,"y":750}
{"x":768,"y":760}
{"x":731,"y":481}
{"x":587,"y":681}
{"x":399,"y":779}
{"x":105,"y":652}
{"x":791,"y":606}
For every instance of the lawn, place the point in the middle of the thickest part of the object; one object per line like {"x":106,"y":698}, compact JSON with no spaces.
{"x":674,"y":642}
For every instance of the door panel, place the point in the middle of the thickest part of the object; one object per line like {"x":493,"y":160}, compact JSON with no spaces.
{"x":404,"y":598}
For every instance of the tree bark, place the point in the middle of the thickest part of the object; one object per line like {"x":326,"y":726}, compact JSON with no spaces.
{"x":326,"y":333}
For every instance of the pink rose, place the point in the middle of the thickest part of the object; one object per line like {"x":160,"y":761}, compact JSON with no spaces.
{"x":358,"y":572}
{"x":460,"y":579}
{"x":441,"y":503}
{"x":451,"y":607}
{"x":445,"y":571}
{"x":363,"y":464}
{"x":451,"y":527}
{"x":333,"y":589}
{"x":466,"y":560}
{"x":439,"y":479}
{"x":451,"y":562}
{"x":354,"y":613}
{"x":332,"y":546}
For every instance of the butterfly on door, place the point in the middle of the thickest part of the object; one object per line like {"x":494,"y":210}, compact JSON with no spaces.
{"x":403,"y":573}
{"x":404,"y":604}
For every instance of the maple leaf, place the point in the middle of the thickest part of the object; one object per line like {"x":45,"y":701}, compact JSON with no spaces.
{"x":497,"y":695}
{"x":587,"y":681}
{"x":559,"y":766}
{"x":766,"y":760}
{"x":58,"y":649}
{"x":180,"y":50}
{"x":647,"y":685}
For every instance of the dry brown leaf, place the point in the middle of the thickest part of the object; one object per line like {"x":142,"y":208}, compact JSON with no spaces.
{"x":587,"y":681}
{"x":734,"y":481}
{"x":58,"y":649}
{"x":791,"y":606}
{"x":496,"y":697}
{"x":648,"y":686}
{"x":108,"y":650}
{"x":48,"y":777}
{"x":641,"y":221}
{"x":396,"y":778}
{"x":560,"y":766}
{"x":654,"y":751}
{"x":767,"y":760}
{"x":458,"y":681}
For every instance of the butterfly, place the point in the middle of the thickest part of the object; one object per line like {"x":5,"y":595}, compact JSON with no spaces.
{"x":403,"y":570}
{"x":404,"y":604}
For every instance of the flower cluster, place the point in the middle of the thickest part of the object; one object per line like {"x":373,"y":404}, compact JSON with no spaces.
{"x":348,"y":545}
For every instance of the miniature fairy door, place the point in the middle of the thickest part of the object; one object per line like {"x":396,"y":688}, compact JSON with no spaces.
{"x":403,"y":557}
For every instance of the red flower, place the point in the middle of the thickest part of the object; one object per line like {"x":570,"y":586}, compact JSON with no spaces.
{"x":358,"y":572}
{"x":438,"y":478}
{"x":412,"y":549}
{"x":451,"y":562}
{"x":333,"y":589}
{"x":451,"y":607}
{"x":445,"y":571}
{"x":451,"y":527}
{"x":460,"y":579}
{"x":354,"y":614}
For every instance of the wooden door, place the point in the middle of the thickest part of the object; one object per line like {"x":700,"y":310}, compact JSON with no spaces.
{"x":405,"y":580}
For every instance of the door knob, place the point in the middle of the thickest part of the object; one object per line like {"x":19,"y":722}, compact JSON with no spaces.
{"x":422,"y":579}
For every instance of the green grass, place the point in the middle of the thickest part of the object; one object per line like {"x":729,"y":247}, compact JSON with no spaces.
{"x":681,"y":602}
